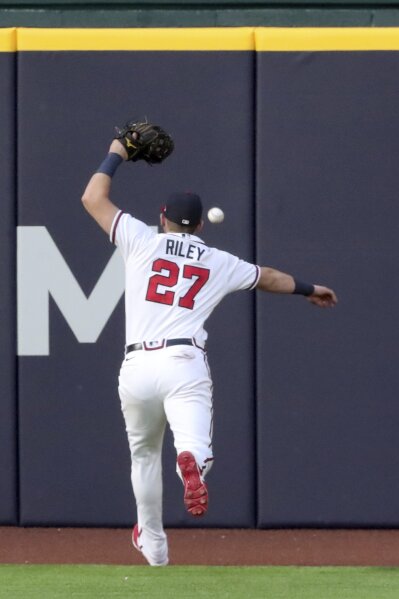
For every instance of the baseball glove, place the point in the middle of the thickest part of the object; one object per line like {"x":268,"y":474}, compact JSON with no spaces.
{"x":144,"y":141}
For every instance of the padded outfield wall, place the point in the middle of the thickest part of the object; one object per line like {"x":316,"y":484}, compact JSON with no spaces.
{"x":294,"y":134}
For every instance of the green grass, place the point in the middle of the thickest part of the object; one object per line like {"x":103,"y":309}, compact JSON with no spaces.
{"x":197,"y":582}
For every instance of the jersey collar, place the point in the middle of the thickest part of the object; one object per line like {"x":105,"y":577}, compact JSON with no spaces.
{"x":186,"y":236}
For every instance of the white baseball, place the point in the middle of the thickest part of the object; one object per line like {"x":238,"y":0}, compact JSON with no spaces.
{"x":216,"y":215}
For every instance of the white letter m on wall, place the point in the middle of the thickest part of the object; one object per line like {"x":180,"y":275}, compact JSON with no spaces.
{"x":41,"y":272}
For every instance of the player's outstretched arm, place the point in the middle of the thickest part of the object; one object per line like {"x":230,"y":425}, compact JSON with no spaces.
{"x":96,"y":195}
{"x":274,"y":281}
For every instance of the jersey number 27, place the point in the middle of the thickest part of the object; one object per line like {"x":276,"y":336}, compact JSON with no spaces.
{"x":198,"y":274}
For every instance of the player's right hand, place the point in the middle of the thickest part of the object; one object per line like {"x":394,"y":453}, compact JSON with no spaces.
{"x":323,"y":297}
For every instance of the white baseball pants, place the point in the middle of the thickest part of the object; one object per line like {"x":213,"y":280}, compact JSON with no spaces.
{"x":171,"y":385}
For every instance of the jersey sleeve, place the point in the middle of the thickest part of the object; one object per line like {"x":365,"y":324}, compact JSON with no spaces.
{"x":241,"y":274}
{"x":129,"y":233}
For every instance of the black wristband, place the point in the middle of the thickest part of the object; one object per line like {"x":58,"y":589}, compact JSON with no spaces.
{"x":302,"y":288}
{"x":110,"y":164}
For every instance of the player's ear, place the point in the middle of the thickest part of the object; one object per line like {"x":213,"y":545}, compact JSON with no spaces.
{"x":200,"y":227}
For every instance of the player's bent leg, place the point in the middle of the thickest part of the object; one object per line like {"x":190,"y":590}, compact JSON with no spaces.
{"x":188,"y":408}
{"x":194,"y":453}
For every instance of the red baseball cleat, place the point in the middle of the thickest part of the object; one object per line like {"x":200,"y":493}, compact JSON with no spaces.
{"x":195,"y":489}
{"x":136,"y":538}
{"x":159,"y":560}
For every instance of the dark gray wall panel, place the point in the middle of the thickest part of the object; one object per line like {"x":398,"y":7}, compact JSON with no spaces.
{"x":133,"y":15}
{"x":8,"y":465}
{"x":74,"y":455}
{"x":327,"y":210}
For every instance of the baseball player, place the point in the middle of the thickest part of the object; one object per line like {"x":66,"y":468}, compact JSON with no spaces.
{"x":173,"y":282}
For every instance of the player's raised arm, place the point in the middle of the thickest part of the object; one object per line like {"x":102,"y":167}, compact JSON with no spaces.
{"x":275,"y":281}
{"x":96,"y":195}
{"x":135,"y":141}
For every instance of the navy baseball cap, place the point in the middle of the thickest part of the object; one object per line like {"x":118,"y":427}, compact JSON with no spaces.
{"x":183,"y":208}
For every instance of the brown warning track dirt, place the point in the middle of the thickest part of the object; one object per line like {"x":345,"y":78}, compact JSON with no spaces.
{"x":202,"y":547}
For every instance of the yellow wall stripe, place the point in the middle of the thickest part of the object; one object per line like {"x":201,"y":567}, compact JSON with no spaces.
{"x":263,"y":39}
{"x":326,"y":39}
{"x":8,"y":40}
{"x":240,"y":38}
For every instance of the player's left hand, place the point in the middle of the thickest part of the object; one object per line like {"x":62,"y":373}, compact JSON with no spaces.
{"x":323,"y":297}
{"x":145,"y":141}
{"x":117,"y":148}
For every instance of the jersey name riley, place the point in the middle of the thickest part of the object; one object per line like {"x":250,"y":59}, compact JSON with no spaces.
{"x":176,"y":247}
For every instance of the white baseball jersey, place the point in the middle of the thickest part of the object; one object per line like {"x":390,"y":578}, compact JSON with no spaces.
{"x":173,"y":281}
